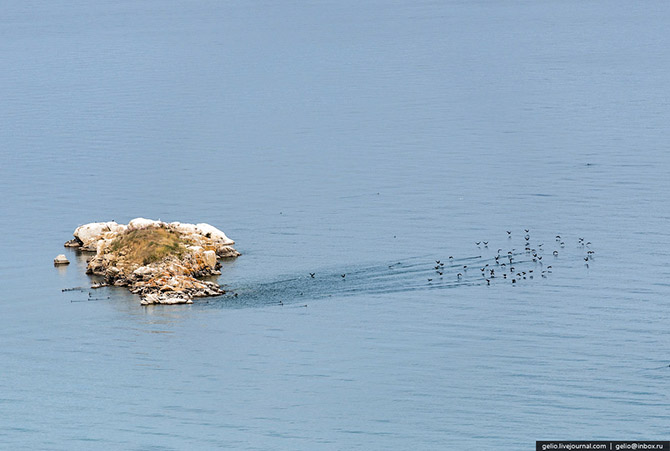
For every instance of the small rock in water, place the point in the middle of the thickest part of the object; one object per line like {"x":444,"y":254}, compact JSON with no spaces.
{"x":61,"y":260}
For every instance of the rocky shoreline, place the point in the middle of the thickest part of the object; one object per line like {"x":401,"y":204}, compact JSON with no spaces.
{"x":161,"y":262}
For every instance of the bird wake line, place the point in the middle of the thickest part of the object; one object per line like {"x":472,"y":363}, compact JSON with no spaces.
{"x":509,"y":265}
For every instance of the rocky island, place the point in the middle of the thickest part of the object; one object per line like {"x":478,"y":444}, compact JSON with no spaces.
{"x":161,"y":262}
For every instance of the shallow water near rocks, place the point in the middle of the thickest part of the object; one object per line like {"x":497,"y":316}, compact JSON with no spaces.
{"x":338,"y":138}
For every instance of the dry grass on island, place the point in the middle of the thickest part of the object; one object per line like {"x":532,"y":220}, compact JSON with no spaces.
{"x":150,"y":245}
{"x":159,"y":261}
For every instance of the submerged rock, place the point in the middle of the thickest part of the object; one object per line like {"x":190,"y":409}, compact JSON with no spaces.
{"x":159,"y":261}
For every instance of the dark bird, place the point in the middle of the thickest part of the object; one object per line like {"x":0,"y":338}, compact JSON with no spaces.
{"x":312,"y":274}
{"x":586,"y":259}
{"x":539,"y":258}
{"x":488,"y":282}
{"x":451,"y":257}
{"x":499,"y":250}
{"x":486,"y":243}
{"x":527,"y":230}
{"x":343,"y":275}
{"x":558,"y":237}
{"x":562,"y":243}
{"x":440,"y":273}
{"x":513,"y":280}
{"x":504,"y":276}
{"x":527,"y":237}
{"x":437,"y":267}
{"x":477,"y":242}
{"x":555,"y":253}
{"x":588,"y":243}
{"x":437,"y":261}
{"x":459,"y":275}
{"x":509,"y":232}
{"x":281,"y":303}
{"x":430,"y":280}
{"x":465,"y":266}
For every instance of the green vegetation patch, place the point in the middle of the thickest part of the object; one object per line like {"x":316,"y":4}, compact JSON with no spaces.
{"x":149,"y":245}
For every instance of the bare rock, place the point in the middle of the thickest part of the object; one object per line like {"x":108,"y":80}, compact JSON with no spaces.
{"x":154,"y":298}
{"x":61,"y":260}
{"x":89,"y":234}
{"x":74,"y":242}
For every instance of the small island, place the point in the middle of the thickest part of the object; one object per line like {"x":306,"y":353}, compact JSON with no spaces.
{"x":161,"y":262}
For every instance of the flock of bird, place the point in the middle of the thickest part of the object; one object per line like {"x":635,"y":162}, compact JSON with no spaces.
{"x":512,"y":264}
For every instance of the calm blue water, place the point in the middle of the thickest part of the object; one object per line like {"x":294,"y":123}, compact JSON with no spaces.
{"x":340,"y":138}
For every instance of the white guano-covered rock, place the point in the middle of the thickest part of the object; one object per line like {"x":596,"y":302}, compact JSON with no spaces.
{"x":186,"y":229}
{"x":90,"y":233}
{"x":141,"y":223}
{"x":212,"y":232}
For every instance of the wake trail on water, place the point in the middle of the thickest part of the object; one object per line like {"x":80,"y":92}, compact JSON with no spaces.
{"x":515,"y":266}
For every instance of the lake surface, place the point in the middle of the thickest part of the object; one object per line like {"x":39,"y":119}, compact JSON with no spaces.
{"x":369,"y":140}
